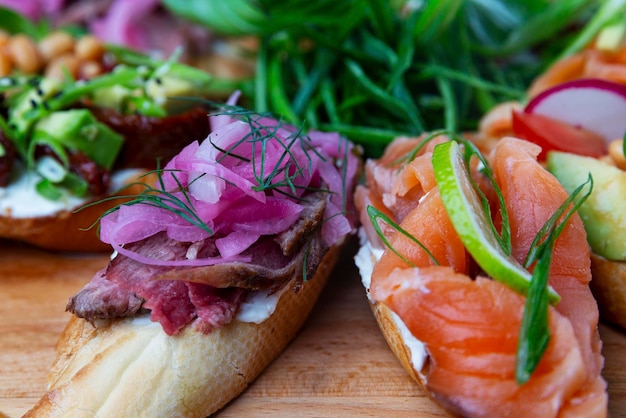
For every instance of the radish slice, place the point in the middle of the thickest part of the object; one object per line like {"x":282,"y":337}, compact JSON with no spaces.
{"x":593,"y":104}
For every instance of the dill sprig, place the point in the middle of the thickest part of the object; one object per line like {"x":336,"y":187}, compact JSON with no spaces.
{"x":158,"y":198}
{"x":181,"y":203}
{"x":534,"y":332}
{"x":375,"y":215}
{"x":259,"y":137}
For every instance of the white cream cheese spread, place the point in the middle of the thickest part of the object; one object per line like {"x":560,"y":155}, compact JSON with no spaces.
{"x":365,"y":259}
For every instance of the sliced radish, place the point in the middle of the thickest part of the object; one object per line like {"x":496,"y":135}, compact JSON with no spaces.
{"x":593,"y":104}
{"x":552,"y":134}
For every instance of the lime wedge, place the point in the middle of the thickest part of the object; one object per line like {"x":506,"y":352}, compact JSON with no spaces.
{"x":471,"y":223}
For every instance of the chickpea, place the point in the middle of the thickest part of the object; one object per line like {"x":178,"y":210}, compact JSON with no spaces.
{"x":89,"y":69}
{"x":62,"y":66}
{"x":616,"y":151}
{"x":4,"y":38}
{"x":6,"y":65}
{"x":56,"y":44}
{"x":89,"y":48}
{"x":24,"y":53}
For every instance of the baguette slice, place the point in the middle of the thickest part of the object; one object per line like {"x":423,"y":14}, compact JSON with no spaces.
{"x":390,"y":328}
{"x":609,"y":288}
{"x":408,"y":350}
{"x":62,"y":231}
{"x":131,"y":368}
{"x":65,"y":230}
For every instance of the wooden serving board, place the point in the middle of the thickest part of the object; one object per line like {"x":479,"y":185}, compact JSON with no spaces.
{"x":339,"y":364}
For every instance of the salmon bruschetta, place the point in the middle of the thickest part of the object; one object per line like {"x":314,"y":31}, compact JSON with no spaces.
{"x":452,"y":320}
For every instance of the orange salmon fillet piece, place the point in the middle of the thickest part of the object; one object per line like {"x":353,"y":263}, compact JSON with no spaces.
{"x":589,"y":63}
{"x":470,"y":326}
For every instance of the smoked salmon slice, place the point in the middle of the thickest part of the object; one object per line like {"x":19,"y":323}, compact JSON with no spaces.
{"x":469,"y":324}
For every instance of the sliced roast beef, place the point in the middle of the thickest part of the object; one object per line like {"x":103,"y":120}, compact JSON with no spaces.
{"x":208,"y":296}
{"x":215,"y":307}
{"x":268,"y":268}
{"x":309,"y":221}
{"x":101,"y":298}
{"x":173,"y":304}
{"x":274,"y":260}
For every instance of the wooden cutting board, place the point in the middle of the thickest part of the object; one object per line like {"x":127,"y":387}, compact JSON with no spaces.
{"x":339,"y":364}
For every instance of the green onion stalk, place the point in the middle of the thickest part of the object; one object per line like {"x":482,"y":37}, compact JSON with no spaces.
{"x":377,"y":69}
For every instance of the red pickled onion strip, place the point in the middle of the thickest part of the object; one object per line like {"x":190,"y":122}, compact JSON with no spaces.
{"x":334,"y":226}
{"x":244,"y":181}
{"x":194,"y":262}
{"x":128,"y":224}
{"x":270,"y":218}
{"x":220,"y":120}
{"x":235,"y":243}
{"x":34,"y":9}
{"x":186,"y":233}
{"x":121,"y":23}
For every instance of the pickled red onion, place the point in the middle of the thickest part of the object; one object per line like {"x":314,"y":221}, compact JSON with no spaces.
{"x":244,"y":181}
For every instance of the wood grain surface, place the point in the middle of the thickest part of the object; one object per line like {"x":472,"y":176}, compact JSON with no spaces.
{"x":339,"y":364}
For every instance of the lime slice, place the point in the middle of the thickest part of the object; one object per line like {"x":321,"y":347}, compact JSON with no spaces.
{"x":471,"y":223}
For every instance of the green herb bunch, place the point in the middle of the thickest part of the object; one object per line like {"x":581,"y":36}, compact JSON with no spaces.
{"x":376,"y":69}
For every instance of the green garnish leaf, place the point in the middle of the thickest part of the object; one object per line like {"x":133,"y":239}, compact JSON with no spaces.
{"x":379,"y":69}
{"x":555,"y":224}
{"x":606,"y":14}
{"x":78,"y":129}
{"x":13,"y":22}
{"x":375,"y":215}
{"x":77,"y":185}
{"x":534,"y":333}
{"x":156,"y":197}
{"x":147,"y":106}
{"x":48,"y":189}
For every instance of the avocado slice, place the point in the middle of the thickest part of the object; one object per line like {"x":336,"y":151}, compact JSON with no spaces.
{"x":603,"y":213}
{"x":159,"y":93}
{"x":79,"y":129}
{"x":24,"y":107}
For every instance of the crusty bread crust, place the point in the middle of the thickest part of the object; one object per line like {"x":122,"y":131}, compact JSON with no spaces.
{"x":609,"y":288}
{"x":66,"y":229}
{"x":63,"y":231}
{"x":131,"y":368}
{"x":387,"y":322}
{"x":389,"y":329}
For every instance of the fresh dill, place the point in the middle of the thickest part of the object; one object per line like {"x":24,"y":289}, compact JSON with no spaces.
{"x":375,"y":215}
{"x":281,"y":177}
{"x":534,"y":332}
{"x":156,"y":197}
{"x":260,"y":136}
